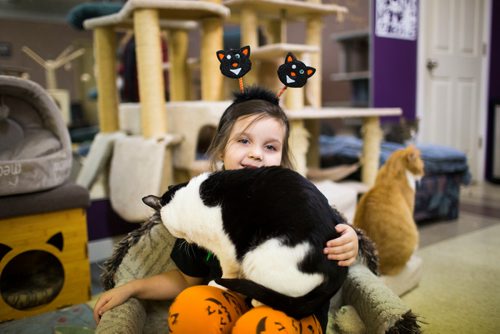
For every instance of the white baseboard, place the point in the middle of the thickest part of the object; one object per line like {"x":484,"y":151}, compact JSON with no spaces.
{"x":102,"y":249}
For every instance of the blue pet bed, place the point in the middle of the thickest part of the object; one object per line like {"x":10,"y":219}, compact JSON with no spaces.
{"x":437,"y":196}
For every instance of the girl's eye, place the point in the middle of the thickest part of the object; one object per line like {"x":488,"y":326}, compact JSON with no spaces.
{"x":271,"y":148}
{"x":237,"y":56}
{"x":301,"y":71}
{"x":243,"y":141}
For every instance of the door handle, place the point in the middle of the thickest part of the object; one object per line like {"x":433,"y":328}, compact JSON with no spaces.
{"x":431,"y":64}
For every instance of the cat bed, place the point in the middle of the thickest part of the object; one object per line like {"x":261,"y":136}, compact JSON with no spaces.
{"x":438,"y":192}
{"x":35,"y":148}
{"x":145,"y":252}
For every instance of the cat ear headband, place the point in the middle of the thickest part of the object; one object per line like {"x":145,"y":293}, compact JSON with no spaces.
{"x":235,"y":63}
{"x":294,"y":73}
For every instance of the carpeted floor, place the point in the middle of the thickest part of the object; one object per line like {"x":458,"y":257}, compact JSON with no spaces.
{"x":76,"y":319}
{"x":460,"y":287}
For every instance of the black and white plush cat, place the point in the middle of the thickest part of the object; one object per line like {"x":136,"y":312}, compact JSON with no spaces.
{"x":267,"y":227}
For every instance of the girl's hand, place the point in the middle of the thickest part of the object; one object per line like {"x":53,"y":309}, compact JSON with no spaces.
{"x":110,"y":299}
{"x":344,"y":248}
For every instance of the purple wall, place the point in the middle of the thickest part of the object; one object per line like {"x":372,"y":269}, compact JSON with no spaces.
{"x":494,"y":75}
{"x":103,"y":222}
{"x":394,"y":74}
{"x":493,"y":89}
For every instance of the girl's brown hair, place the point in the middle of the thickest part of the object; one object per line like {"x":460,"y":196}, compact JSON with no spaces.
{"x":252,"y":101}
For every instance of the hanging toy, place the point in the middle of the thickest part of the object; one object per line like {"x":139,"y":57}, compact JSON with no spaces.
{"x":235,"y":63}
{"x":294,"y":73}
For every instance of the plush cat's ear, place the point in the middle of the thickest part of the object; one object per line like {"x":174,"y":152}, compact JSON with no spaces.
{"x":245,"y":50}
{"x":290,"y":58}
{"x":152,"y":201}
{"x":220,"y":55}
{"x":310,"y":71}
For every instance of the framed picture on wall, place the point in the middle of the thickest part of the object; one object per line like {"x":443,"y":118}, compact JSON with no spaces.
{"x":396,"y":19}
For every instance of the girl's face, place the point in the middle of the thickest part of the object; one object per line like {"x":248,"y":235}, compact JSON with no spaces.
{"x":254,"y":143}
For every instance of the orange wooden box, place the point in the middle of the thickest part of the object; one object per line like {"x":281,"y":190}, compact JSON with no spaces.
{"x":35,"y":246}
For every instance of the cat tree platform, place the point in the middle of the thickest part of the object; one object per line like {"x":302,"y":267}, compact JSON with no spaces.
{"x":192,"y":116}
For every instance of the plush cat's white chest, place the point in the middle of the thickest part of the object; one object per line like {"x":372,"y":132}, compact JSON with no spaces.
{"x":272,"y":263}
{"x":187,"y":217}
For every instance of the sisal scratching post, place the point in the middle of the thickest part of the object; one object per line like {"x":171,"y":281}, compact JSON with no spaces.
{"x":211,"y":40}
{"x":372,"y":136}
{"x":150,"y":72}
{"x":314,"y":25}
{"x":177,"y":56}
{"x":299,"y":143}
{"x":249,"y":36}
{"x":107,"y":101}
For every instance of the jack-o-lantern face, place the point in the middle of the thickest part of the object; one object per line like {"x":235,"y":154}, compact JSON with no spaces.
{"x":265,"y":320}
{"x":204,"y":309}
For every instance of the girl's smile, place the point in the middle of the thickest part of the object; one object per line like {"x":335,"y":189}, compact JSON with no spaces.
{"x":254,"y":142}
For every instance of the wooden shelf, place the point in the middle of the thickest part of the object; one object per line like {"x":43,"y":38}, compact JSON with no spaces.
{"x":177,"y":10}
{"x":350,"y":76}
{"x":273,"y":9}
{"x":276,"y":51}
{"x":350,"y":35}
{"x":324,"y":113}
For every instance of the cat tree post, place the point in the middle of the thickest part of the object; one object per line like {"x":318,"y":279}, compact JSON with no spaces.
{"x":294,"y":101}
{"x":105,"y":60}
{"x":150,"y":74}
{"x":249,"y":36}
{"x":178,"y":70}
{"x":314,"y":25}
{"x":372,"y":137}
{"x":211,"y":41}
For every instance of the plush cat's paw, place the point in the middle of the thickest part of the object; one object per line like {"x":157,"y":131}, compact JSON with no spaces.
{"x":213,"y":283}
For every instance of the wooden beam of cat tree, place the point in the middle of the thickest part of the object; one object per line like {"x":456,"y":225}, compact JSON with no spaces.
{"x":150,"y":74}
{"x":105,"y":60}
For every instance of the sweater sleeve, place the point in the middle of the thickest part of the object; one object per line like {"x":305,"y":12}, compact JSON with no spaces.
{"x":190,"y":259}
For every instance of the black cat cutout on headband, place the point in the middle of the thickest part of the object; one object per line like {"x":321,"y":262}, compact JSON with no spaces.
{"x":294,"y":73}
{"x":235,"y":63}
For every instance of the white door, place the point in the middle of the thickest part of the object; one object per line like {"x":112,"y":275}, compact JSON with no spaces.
{"x":450,"y":101}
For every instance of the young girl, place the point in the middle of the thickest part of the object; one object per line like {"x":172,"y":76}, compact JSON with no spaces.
{"x":253,"y":132}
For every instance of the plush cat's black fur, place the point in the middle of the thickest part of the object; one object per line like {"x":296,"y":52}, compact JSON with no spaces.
{"x":274,"y":203}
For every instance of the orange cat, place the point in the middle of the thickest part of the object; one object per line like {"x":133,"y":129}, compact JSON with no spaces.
{"x":385,"y":212}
